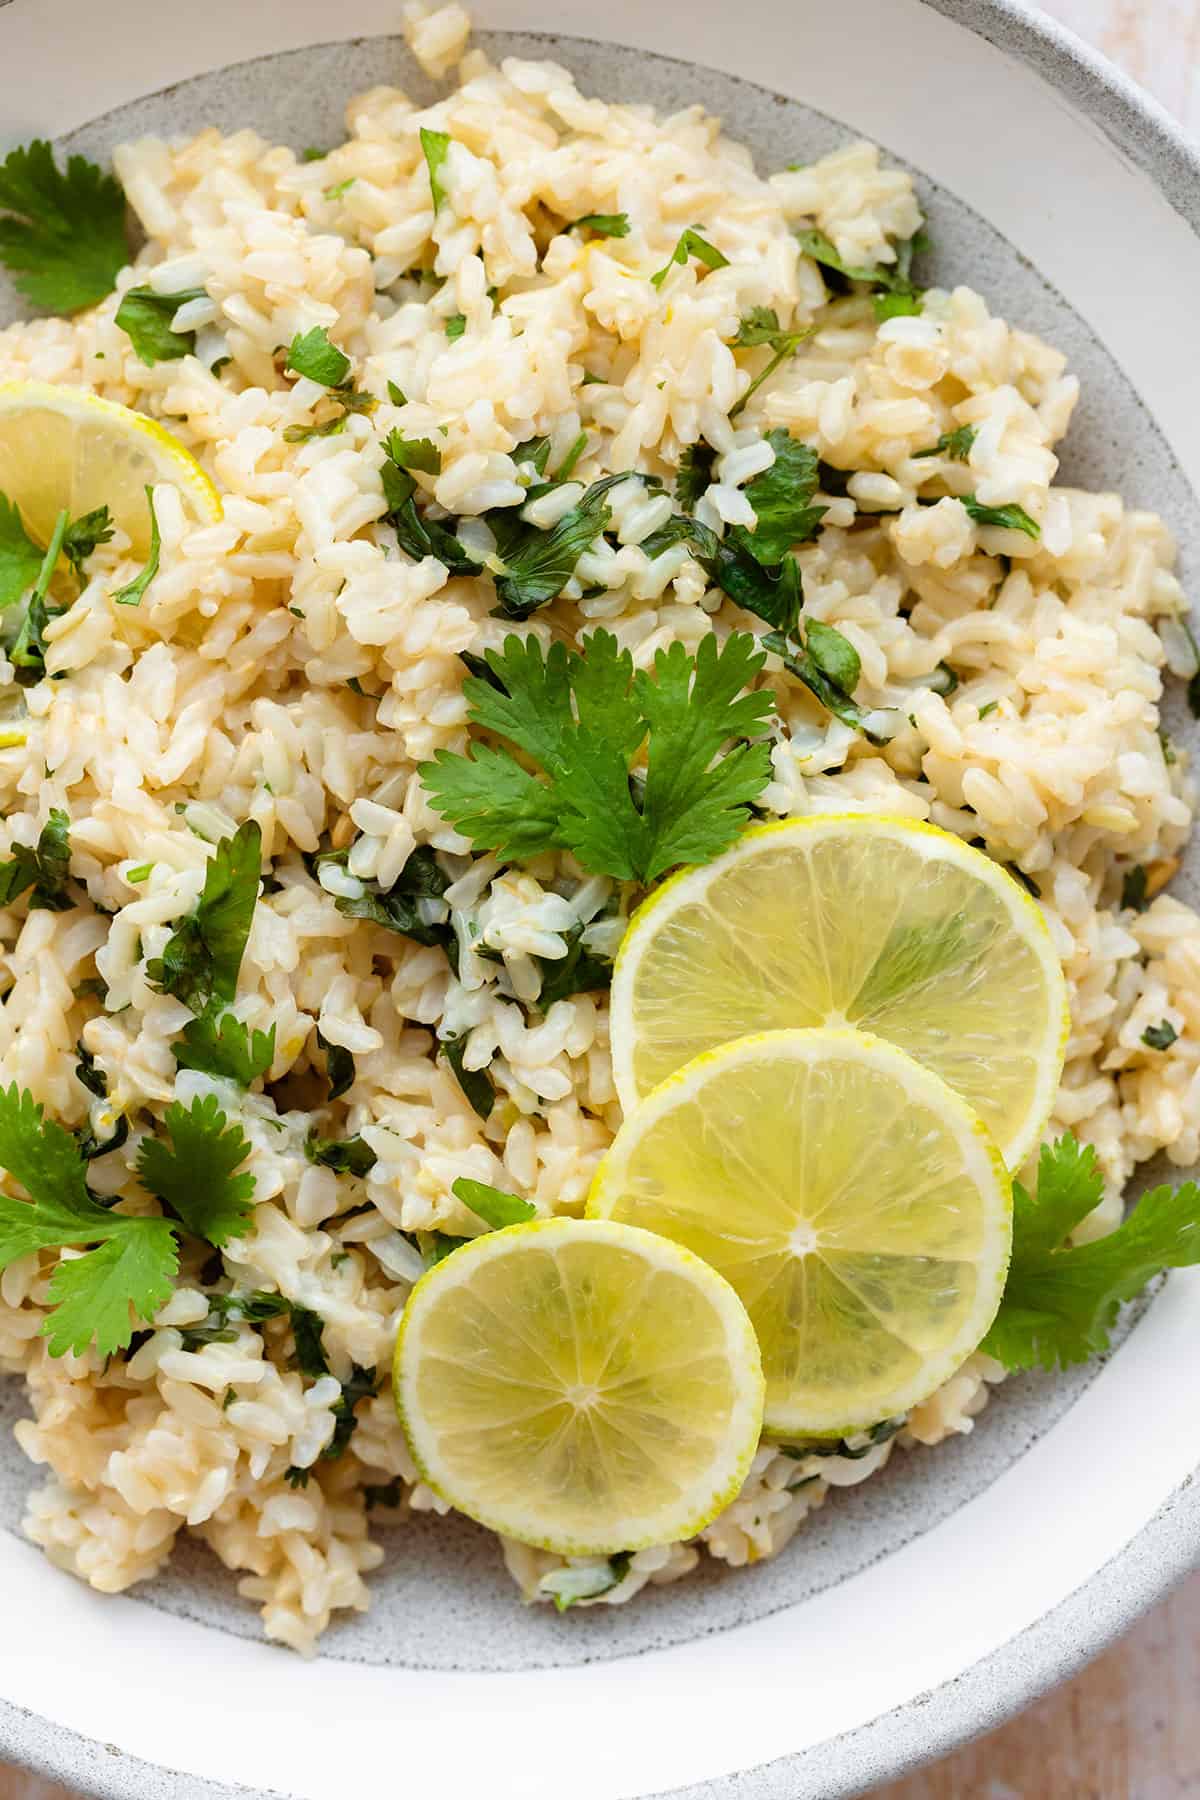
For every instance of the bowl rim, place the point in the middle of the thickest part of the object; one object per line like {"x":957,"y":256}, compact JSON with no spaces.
{"x":991,"y":1691}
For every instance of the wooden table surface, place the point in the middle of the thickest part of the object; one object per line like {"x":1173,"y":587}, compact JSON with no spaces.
{"x":1128,"y":1727}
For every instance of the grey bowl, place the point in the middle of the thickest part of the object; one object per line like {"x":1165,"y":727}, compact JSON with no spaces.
{"x":442,"y":1601}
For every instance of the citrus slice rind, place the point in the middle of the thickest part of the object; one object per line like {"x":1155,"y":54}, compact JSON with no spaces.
{"x":885,"y":924}
{"x":63,"y":447}
{"x":856,"y":1203}
{"x":579,"y":1385}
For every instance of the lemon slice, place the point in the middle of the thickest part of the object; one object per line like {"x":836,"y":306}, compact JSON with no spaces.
{"x":60,"y":446}
{"x":858,"y":1206}
{"x":895,"y":927}
{"x":583,"y":1387}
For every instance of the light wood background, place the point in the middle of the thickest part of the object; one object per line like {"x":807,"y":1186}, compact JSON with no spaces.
{"x":1127,"y":1728}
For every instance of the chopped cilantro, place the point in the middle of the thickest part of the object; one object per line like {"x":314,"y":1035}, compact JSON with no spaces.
{"x":690,"y":244}
{"x":495,"y":1207}
{"x":1060,"y":1304}
{"x":695,"y":474}
{"x":476,"y":1084}
{"x":146,"y":317}
{"x":1010,"y":518}
{"x":760,"y":326}
{"x":20,"y":558}
{"x":580,"y":971}
{"x":412,"y":906}
{"x":312,"y":355}
{"x":1133,"y":889}
{"x":396,"y":395}
{"x":582,"y":717}
{"x":194,"y":1176}
{"x":27,"y":653}
{"x":609,"y":225}
{"x":337,"y":188}
{"x":413,"y":453}
{"x":84,"y":535}
{"x":63,"y":240}
{"x":825,"y":662}
{"x":219,"y":1044}
{"x":954,"y":444}
{"x":1160,"y":1037}
{"x":989,"y":707}
{"x":46,"y":868}
{"x":132,"y":594}
{"x":339,"y":1067}
{"x":362,"y":1385}
{"x":568,"y":1585}
{"x":436,"y":145}
{"x":201,"y":959}
{"x":313,"y":153}
{"x":538,"y":564}
{"x":345,"y":1156}
{"x":456,"y":324}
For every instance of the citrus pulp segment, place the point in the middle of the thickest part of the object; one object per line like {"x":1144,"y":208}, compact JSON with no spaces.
{"x":892,"y":926}
{"x":61,"y":447}
{"x":579,"y":1385}
{"x":855,"y":1202}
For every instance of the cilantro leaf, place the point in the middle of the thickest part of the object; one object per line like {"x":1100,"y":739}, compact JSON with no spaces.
{"x":20,"y":558}
{"x":495,"y":1207}
{"x":1060,"y":1305}
{"x":313,"y":355}
{"x":416,"y":536}
{"x":412,"y":906}
{"x":833,"y":654}
{"x":92,"y":1295}
{"x":1160,"y":1036}
{"x":146,"y":317}
{"x":456,"y":325}
{"x":134,"y":591}
{"x":82,"y":536}
{"x":781,"y":497}
{"x":28,"y":651}
{"x":339,"y":1067}
{"x":1011,"y":518}
{"x":436,"y":145}
{"x":538,"y":564}
{"x":413,"y":453}
{"x":346,"y":1156}
{"x":955,"y":444}
{"x":690,"y":244}
{"x":194,"y":1174}
{"x":609,"y":225}
{"x":219,"y":1044}
{"x":817,"y":663}
{"x":580,"y":971}
{"x":1133,"y":889}
{"x":201,"y":959}
{"x":895,"y":291}
{"x":476,"y":1084}
{"x":583,"y":716}
{"x":64,"y":240}
{"x":46,"y":868}
{"x":761,"y":326}
{"x":362,"y":1385}
{"x":695,"y":473}
{"x":95,"y":1296}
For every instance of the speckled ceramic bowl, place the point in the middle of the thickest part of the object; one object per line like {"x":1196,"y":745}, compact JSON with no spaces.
{"x":925,"y":1606}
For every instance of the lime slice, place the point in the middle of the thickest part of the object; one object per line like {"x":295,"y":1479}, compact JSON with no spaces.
{"x":858,"y":1206}
{"x":580,"y":1386}
{"x":884,"y":924}
{"x":60,"y":446}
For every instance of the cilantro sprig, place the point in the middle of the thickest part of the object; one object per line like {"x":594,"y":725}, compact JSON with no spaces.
{"x":63,"y":240}
{"x":201,"y":958}
{"x":582,"y":718}
{"x":128,"y":1263}
{"x":1060,"y":1304}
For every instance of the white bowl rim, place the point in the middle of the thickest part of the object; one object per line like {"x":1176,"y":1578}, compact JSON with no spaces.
{"x":1166,"y":1550}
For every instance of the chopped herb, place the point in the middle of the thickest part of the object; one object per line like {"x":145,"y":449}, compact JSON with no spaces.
{"x":146,"y":317}
{"x":456,"y":324}
{"x":63,"y":241}
{"x":46,"y":868}
{"x":412,"y":906}
{"x":396,"y":395}
{"x":609,"y":225}
{"x":895,"y":292}
{"x":781,"y":497}
{"x":413,"y":453}
{"x":307,"y":1334}
{"x":193,"y":1175}
{"x":436,"y":145}
{"x":495,"y":1207}
{"x":818,"y":664}
{"x":313,"y":153}
{"x":345,"y":1156}
{"x":417,"y":536}
{"x":84,"y":535}
{"x":1009,"y":518}
{"x":954,"y":444}
{"x":476,"y":1084}
{"x":312,"y":355}
{"x":201,"y":959}
{"x":583,"y":717}
{"x":695,"y":474}
{"x":338,"y":188}
{"x":1168,"y":748}
{"x":132,"y":594}
{"x":362,"y":1385}
{"x":690,"y":244}
{"x":944,"y":680}
{"x":389,"y":1493}
{"x":580,"y":971}
{"x":761,"y":326}
{"x":129,"y":1274}
{"x":339,"y":1067}
{"x":1133,"y":889}
{"x":20,"y":558}
{"x":1160,"y":1037}
{"x":538,"y":564}
{"x":28,"y":651}
{"x":989,"y":707}
{"x":568,"y":1585}
{"x":86,"y":1072}
{"x":219,"y":1044}
{"x":1060,"y":1304}
{"x":574,"y":451}
{"x":1026,"y":881}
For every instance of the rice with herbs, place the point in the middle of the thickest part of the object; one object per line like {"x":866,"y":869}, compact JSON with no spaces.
{"x":292,"y":665}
